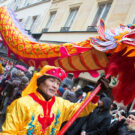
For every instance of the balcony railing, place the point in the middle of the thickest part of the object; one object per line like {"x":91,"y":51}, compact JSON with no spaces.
{"x":44,"y":30}
{"x":64,"y":29}
{"x":56,"y":0}
{"x":92,"y":28}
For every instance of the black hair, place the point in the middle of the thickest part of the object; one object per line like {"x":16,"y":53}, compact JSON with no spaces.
{"x":88,"y":88}
{"x":3,"y":64}
{"x":123,"y":113}
{"x":43,"y":78}
{"x":65,"y":86}
{"x":114,"y":106}
{"x":131,"y":113}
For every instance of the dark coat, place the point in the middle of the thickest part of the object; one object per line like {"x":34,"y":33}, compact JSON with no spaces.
{"x":98,"y":122}
{"x":75,"y":128}
{"x":119,"y":128}
{"x":69,"y":95}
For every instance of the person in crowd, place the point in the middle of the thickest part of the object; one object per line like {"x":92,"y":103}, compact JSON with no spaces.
{"x":73,"y":96}
{"x":1,"y":75}
{"x":39,"y":111}
{"x":1,"y":85}
{"x":99,"y":120}
{"x":74,"y":89}
{"x":13,"y":72}
{"x":22,"y":86}
{"x":79,"y":96}
{"x":5,"y":95}
{"x":113,"y":108}
{"x":65,"y":87}
{"x":83,"y":93}
{"x":18,"y":87}
{"x":69,"y":95}
{"x":62,"y":89}
{"x":88,"y":88}
{"x":29,"y":74}
{"x":12,"y":88}
{"x":124,"y":126}
{"x":6,"y":76}
{"x":115,"y":117}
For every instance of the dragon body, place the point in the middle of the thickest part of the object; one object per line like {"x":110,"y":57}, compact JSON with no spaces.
{"x":33,"y":53}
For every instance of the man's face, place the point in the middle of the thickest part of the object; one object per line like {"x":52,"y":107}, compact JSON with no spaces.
{"x":50,"y":87}
{"x":100,"y":104}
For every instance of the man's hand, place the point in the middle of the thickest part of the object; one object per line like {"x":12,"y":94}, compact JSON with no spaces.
{"x":122,"y":118}
{"x":104,"y":84}
{"x":83,"y":133}
{"x":3,"y":93}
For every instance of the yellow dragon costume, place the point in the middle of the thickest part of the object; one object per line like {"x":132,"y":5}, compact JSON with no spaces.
{"x":31,"y":114}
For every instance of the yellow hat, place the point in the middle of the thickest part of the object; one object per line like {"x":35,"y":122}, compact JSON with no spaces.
{"x":46,"y":70}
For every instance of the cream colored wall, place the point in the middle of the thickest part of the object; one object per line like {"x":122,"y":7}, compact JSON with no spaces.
{"x":37,"y":10}
{"x":131,"y":13}
{"x":84,"y":16}
{"x":5,"y":3}
{"x":33,"y":10}
{"x":67,"y":37}
{"x":119,"y":12}
{"x":82,"y":19}
{"x":88,"y":77}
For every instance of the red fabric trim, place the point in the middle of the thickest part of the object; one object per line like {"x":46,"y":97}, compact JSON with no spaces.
{"x":71,"y":64}
{"x":59,"y":93}
{"x":61,"y":65}
{"x":45,"y":121}
{"x":81,"y":97}
{"x":97,"y":61}
{"x":83,"y":62}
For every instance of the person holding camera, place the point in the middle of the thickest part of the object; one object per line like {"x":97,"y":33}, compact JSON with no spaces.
{"x":124,"y":126}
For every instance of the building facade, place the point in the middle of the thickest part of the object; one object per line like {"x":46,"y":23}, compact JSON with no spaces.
{"x":30,"y":13}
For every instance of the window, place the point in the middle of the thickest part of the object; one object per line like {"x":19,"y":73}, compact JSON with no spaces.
{"x":71,"y":17}
{"x":133,"y":21}
{"x":29,"y":22}
{"x":52,"y":15}
{"x":35,"y":23}
{"x":70,"y":20}
{"x":101,"y":13}
{"x":20,"y":20}
{"x":25,"y":3}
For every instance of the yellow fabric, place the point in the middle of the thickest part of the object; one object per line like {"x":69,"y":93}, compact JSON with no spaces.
{"x":20,"y":112}
{"x":1,"y":69}
{"x":31,"y":88}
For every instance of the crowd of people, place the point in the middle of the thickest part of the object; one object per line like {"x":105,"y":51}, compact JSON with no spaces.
{"x":13,"y":79}
{"x":101,"y":117}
